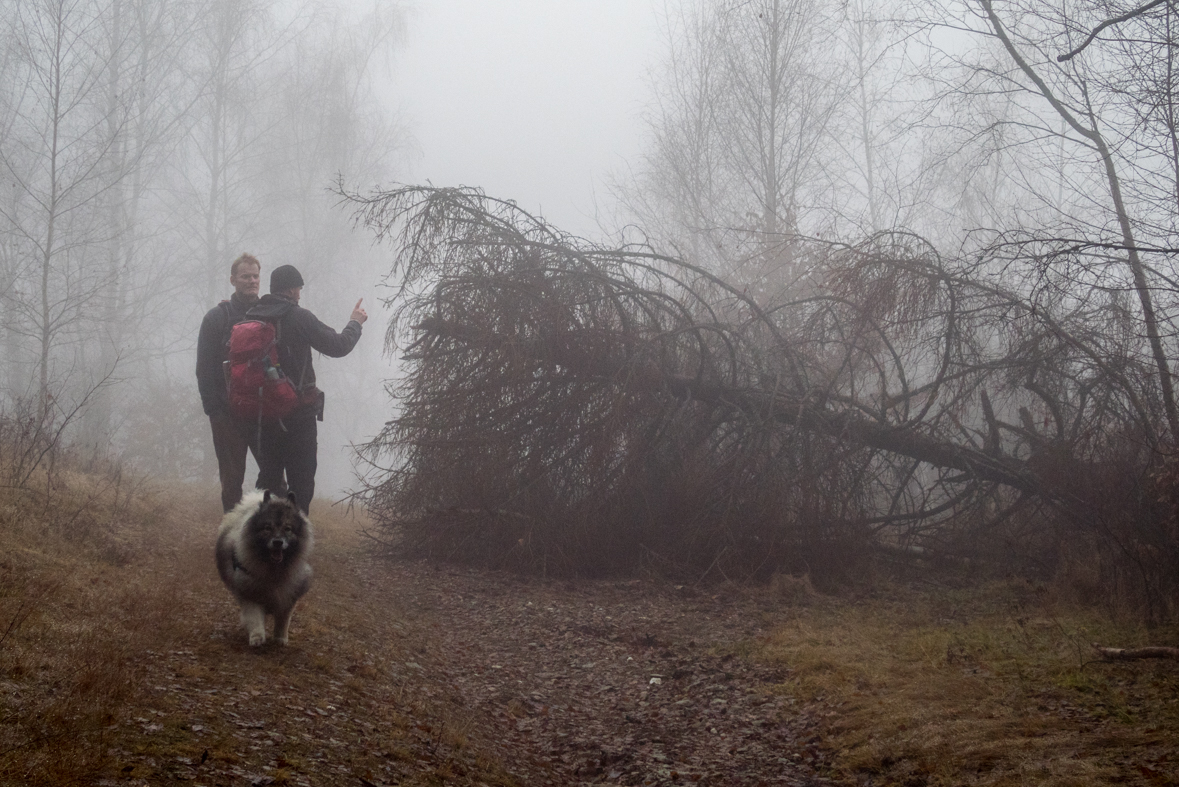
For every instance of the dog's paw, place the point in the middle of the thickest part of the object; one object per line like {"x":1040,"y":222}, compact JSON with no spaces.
{"x":257,"y":638}
{"x":281,"y":640}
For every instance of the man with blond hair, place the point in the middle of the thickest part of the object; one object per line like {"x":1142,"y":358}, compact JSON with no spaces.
{"x":231,"y":436}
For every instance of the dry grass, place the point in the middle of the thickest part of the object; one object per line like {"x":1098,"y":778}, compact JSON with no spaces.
{"x":71,"y":616}
{"x":121,"y":660}
{"x":991,"y":686}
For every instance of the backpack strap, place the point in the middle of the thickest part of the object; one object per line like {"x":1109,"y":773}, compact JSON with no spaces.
{"x":279,"y":344}
{"x":302,"y":374}
{"x":228,"y":321}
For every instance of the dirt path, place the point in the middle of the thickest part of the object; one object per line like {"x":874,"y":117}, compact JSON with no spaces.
{"x":410,"y":674}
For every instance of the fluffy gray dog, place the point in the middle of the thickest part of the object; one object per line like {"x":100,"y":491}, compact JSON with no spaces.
{"x":262,"y":552}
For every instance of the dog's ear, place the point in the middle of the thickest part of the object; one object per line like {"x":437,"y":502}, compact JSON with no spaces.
{"x":291,"y":498}
{"x":265,"y":496}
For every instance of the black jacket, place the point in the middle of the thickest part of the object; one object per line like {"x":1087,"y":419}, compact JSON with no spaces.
{"x":213,"y":349}
{"x":300,"y":332}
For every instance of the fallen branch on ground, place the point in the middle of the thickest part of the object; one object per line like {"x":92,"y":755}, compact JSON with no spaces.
{"x":1153,"y":652}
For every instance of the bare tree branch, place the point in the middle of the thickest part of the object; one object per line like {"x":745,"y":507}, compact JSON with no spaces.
{"x":1121,"y":212}
{"x":1117,"y":20}
{"x":567,"y":396}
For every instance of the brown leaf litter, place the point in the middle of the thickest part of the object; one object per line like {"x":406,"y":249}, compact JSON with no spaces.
{"x":411,"y":673}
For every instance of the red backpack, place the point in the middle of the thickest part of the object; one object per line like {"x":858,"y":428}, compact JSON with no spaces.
{"x":254,"y":379}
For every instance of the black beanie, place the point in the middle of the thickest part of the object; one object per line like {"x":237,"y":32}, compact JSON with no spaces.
{"x":285,"y":277}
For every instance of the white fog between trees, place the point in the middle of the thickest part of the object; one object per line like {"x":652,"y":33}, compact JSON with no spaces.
{"x":952,"y":224}
{"x":143,"y":146}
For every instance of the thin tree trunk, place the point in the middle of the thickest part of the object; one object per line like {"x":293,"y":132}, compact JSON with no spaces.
{"x":98,"y":416}
{"x":211,"y":251}
{"x":1137,"y":271}
{"x":47,"y":322}
{"x":866,"y":128}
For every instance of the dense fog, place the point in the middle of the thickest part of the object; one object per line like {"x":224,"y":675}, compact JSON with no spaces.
{"x":145,"y":146}
{"x":1006,"y":171}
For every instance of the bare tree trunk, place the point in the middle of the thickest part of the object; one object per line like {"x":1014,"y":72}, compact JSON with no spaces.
{"x":865,"y":113}
{"x":1142,"y":289}
{"x":1137,"y":270}
{"x":779,"y":406}
{"x":212,"y":248}
{"x":97,"y":418}
{"x":47,"y":320}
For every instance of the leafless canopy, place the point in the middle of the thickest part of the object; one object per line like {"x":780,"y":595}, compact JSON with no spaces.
{"x":574,"y":407}
{"x":1111,"y":22}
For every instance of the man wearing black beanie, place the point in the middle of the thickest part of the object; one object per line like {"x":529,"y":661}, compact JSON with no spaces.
{"x":289,"y":446}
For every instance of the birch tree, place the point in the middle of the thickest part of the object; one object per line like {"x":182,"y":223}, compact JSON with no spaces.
{"x":60,"y":131}
{"x":739,"y":129}
{"x":147,"y":45}
{"x":235,"y":40}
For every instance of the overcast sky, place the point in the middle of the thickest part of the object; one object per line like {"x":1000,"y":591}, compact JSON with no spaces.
{"x":532,"y":100}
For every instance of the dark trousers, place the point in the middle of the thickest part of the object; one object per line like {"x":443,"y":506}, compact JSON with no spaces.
{"x":231,"y":440}
{"x":291,"y":450}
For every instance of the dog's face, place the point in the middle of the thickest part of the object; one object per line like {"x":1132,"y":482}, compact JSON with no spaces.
{"x":277,"y":529}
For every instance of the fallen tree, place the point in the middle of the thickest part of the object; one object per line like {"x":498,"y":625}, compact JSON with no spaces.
{"x":612,"y":408}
